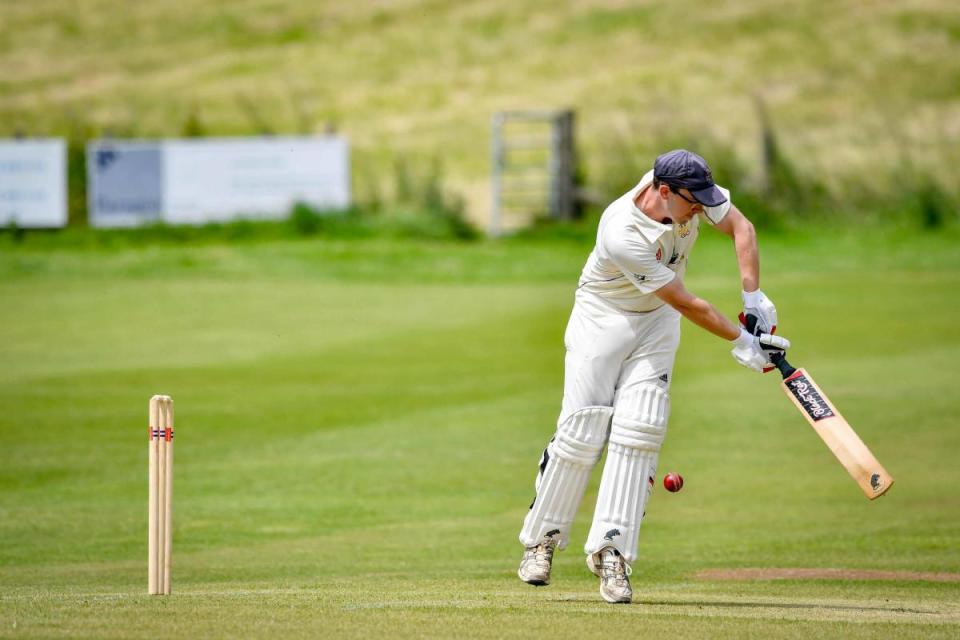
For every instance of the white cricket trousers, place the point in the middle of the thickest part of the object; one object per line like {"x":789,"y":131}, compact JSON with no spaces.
{"x":611,"y":351}
{"x":618,"y":369}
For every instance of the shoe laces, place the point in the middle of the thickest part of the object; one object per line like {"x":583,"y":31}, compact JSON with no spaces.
{"x":614,"y":566}
{"x":544,"y":550}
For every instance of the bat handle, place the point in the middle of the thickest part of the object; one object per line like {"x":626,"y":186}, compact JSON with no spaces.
{"x":780,"y":362}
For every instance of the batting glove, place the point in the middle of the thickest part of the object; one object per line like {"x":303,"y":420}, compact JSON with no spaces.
{"x":754,"y":352}
{"x":759,"y":305}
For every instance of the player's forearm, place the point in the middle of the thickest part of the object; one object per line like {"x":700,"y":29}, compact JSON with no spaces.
{"x":748,"y":255}
{"x":705,"y":315}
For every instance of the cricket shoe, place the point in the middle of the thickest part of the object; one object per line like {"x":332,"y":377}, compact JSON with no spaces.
{"x":536,"y":563}
{"x":614,"y":573}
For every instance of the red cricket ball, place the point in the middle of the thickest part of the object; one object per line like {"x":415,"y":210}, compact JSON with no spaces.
{"x":673,"y":482}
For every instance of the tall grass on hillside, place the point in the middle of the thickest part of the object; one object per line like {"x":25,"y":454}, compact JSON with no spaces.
{"x":777,"y":192}
{"x":416,"y":200}
{"x":854,"y":88}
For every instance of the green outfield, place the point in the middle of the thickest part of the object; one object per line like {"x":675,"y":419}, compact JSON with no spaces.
{"x":358,"y":427}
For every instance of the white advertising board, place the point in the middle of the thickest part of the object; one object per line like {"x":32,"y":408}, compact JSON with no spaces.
{"x":33,"y":183}
{"x":215,"y":179}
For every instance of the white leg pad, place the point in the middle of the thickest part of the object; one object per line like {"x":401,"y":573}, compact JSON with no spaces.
{"x":564,"y":472}
{"x":639,"y":427}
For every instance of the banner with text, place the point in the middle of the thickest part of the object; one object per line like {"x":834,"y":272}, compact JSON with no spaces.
{"x":33,"y":183}
{"x":215,"y":180}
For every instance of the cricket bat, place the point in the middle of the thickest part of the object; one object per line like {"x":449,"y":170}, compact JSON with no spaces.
{"x":833,"y":428}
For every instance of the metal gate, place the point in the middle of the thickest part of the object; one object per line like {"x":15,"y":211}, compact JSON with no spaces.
{"x":533,"y":167}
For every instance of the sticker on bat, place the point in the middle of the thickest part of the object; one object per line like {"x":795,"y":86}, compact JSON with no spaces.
{"x":808,"y":397}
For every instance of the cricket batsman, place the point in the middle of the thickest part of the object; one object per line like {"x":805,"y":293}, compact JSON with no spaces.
{"x":621,"y":341}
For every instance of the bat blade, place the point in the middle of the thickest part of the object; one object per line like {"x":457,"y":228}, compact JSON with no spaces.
{"x":836,"y":432}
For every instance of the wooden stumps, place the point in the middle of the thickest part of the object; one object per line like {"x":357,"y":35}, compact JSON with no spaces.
{"x":160,"y":500}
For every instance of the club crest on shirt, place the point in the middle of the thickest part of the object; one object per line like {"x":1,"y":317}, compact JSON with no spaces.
{"x":684,"y":230}
{"x":659,"y":254}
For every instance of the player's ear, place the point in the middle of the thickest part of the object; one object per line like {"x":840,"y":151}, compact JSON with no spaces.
{"x":664,"y":191}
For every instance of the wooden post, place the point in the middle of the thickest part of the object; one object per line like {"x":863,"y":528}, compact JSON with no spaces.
{"x":168,"y":495}
{"x":496,"y":152}
{"x":153,"y":524}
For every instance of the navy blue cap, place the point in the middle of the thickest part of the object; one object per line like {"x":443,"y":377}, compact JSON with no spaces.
{"x":686,"y":170}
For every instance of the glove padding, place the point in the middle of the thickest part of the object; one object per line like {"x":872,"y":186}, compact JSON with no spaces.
{"x":761,"y":307}
{"x":754,"y":352}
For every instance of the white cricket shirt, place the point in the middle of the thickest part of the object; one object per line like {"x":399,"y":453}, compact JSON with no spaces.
{"x":635,"y":255}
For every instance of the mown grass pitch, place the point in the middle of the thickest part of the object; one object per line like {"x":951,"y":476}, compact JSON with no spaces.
{"x":359,"y":424}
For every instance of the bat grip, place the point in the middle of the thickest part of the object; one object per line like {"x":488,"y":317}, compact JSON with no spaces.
{"x":779,"y":360}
